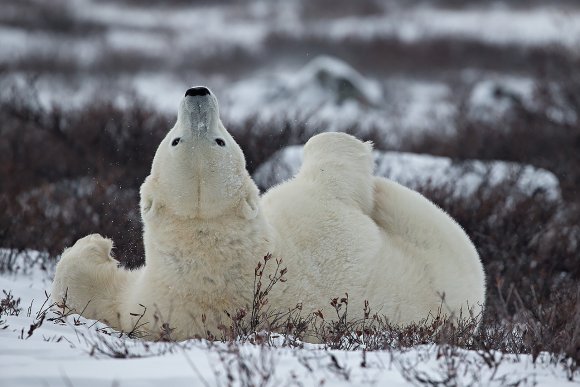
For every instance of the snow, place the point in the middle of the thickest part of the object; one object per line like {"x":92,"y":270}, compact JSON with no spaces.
{"x":325,"y":82}
{"x":325,"y":94}
{"x":423,"y":106}
{"x":16,"y":44}
{"x":73,"y":352}
{"x":419,"y":171}
{"x":225,"y":27}
{"x":164,"y":90}
{"x":159,"y":32}
{"x":328,"y":94}
{"x":246,"y":26}
{"x":496,"y":96}
{"x":541,"y":26}
{"x":283,"y":88}
{"x":138,"y":41}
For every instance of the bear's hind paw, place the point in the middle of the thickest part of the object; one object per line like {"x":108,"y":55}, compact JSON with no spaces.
{"x":92,"y":247}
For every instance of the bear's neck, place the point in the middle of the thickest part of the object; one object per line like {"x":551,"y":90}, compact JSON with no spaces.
{"x":205,"y":250}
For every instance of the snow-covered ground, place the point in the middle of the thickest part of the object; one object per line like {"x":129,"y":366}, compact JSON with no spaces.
{"x":79,"y":352}
{"x":164,"y":30}
{"x":117,"y":48}
{"x":159,"y":51}
{"x":500,"y":25}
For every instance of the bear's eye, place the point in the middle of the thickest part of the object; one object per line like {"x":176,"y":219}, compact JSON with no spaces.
{"x":220,"y":142}
{"x":175,"y":141}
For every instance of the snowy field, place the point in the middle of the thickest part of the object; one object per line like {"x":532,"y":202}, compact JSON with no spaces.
{"x":262,"y":57}
{"x":439,"y":87}
{"x":38,"y":348}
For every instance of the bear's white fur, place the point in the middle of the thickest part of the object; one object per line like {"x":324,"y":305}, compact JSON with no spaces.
{"x":337,"y":227}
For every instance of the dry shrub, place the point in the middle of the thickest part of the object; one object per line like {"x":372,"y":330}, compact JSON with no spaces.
{"x":529,"y":245}
{"x":68,"y":173}
{"x":323,"y":9}
{"x":514,"y":4}
{"x":433,"y":56}
{"x":537,"y":134}
{"x":55,"y":16}
{"x":9,"y":306}
{"x":529,"y":248}
{"x":170,"y":3}
{"x":261,"y":323}
{"x":260,"y":141}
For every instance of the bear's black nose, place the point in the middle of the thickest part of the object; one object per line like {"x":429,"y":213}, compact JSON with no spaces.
{"x":199,"y":90}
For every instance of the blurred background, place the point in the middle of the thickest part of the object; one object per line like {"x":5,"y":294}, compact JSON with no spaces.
{"x":473,"y":103}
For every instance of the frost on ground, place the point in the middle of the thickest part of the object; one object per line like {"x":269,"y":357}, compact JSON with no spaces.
{"x":40,"y":347}
{"x":419,"y":171}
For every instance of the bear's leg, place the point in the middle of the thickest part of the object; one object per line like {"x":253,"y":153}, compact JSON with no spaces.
{"x":433,"y":243}
{"x":89,"y":281}
{"x":341,"y":166}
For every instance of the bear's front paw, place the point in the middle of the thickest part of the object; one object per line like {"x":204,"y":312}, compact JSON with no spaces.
{"x":93,"y":247}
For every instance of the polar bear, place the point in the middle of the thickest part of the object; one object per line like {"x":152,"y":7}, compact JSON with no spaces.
{"x":337,"y":227}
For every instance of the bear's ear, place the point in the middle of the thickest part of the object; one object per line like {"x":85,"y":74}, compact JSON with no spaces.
{"x":249,"y":206}
{"x":370,"y":145}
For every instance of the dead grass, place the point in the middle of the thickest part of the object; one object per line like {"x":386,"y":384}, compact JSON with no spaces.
{"x":9,"y":306}
{"x":42,"y":148}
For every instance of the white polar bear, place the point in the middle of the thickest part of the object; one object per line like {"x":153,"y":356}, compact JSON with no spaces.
{"x":337,"y":227}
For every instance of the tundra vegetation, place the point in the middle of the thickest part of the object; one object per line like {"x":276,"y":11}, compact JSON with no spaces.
{"x":70,"y":170}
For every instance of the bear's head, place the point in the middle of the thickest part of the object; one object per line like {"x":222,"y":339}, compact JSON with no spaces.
{"x":199,"y":171}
